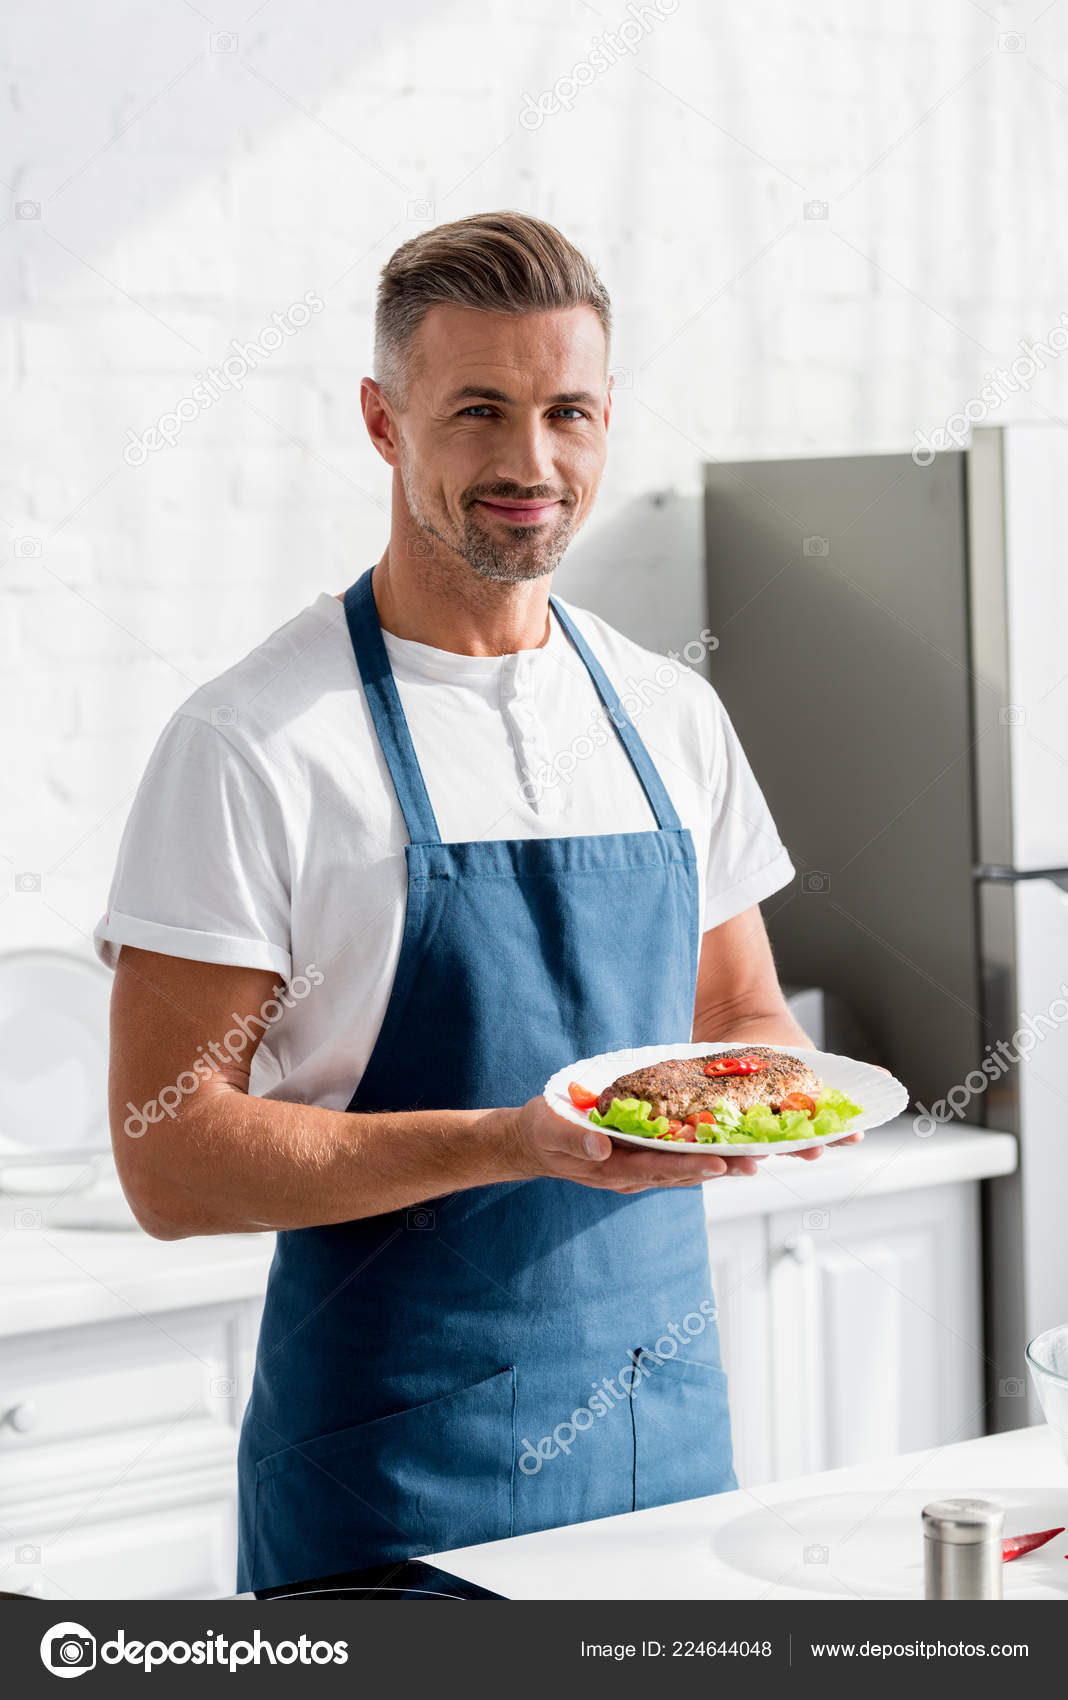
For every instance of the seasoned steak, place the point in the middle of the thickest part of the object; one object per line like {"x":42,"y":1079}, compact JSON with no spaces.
{"x":680,"y":1086}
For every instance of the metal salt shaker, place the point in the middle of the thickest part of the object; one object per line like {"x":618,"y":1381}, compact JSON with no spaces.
{"x":962,"y":1549}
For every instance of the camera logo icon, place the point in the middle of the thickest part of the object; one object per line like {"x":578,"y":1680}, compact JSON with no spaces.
{"x":27,"y":882}
{"x":622,"y":377}
{"x":816,"y":546}
{"x":27,"y":548}
{"x":224,"y":714}
{"x":223,"y":42}
{"x":816,"y":1219}
{"x":817,"y":882}
{"x":421,"y":1220}
{"x":1012,"y":42}
{"x":27,"y":209}
{"x":817,"y":1554}
{"x":816,"y":209}
{"x":1012,"y":715}
{"x":420,"y":210}
{"x":68,"y":1649}
{"x":223,"y":1387}
{"x":1011,"y":1388}
{"x":420,"y":548}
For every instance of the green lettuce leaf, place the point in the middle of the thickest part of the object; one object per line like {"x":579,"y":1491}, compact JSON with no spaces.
{"x":759,"y":1125}
{"x":630,"y":1115}
{"x":834,"y":1111}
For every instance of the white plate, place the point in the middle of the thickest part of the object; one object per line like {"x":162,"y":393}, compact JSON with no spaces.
{"x":880,"y":1095}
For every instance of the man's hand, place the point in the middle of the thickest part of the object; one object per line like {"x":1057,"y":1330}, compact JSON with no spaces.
{"x":546,"y":1144}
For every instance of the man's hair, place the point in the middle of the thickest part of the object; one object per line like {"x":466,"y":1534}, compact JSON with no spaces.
{"x":501,"y":262}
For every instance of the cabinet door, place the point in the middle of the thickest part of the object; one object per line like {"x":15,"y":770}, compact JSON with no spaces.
{"x":876,"y":1328}
{"x":173,"y":1553}
{"x":739,"y":1258}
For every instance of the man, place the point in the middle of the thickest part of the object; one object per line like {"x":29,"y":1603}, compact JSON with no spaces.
{"x":364,"y":908}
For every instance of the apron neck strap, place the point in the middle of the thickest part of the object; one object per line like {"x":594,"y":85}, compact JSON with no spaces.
{"x":383,"y":700}
{"x":652,"y":784}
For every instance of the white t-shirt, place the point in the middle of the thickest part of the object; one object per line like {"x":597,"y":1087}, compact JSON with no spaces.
{"x":266,"y":832}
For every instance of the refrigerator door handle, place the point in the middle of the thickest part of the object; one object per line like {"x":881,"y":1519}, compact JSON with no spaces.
{"x":1011,"y":876}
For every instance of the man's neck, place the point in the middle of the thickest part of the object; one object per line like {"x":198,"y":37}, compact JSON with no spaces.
{"x":441,"y":600}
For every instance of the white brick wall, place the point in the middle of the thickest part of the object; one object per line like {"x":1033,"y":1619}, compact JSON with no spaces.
{"x":187,"y":194}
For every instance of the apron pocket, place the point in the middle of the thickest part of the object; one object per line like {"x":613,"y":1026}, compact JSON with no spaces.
{"x":682,"y":1432}
{"x":418,"y":1481}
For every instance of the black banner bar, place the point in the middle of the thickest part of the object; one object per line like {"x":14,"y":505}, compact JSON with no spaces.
{"x":334,"y":1647}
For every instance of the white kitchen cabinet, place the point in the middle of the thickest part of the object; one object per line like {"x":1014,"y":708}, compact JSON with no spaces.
{"x":118,"y":1437}
{"x":875,"y":1328}
{"x":849,"y":1294}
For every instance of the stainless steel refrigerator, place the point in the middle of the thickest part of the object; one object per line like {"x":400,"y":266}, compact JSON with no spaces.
{"x":893,"y":649}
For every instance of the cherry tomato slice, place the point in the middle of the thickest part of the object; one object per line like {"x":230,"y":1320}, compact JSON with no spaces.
{"x":580,"y":1097}
{"x":698,"y":1117}
{"x":799,"y":1101}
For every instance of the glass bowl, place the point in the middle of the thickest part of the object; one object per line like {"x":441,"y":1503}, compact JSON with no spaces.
{"x":1047,"y":1360}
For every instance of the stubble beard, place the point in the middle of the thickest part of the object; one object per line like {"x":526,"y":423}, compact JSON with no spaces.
{"x":528,"y":554}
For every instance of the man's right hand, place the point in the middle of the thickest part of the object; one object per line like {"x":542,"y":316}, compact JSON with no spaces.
{"x":546,"y":1144}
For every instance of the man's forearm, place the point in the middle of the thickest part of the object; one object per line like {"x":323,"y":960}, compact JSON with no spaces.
{"x":777,"y":1027}
{"x":237,"y":1164}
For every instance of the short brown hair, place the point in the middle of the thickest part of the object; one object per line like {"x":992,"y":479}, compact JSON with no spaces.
{"x":501,"y":262}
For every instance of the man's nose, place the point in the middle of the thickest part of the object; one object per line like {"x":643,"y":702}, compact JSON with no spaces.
{"x":524,"y":454}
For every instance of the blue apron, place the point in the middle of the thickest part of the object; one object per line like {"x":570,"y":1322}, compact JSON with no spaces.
{"x":515,"y":1356}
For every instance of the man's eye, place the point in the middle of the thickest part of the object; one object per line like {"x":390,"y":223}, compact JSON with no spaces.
{"x":571,"y":413}
{"x":478,"y":410}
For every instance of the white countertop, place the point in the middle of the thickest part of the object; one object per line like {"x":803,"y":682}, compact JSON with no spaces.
{"x":889,"y":1159}
{"x":59,"y":1278}
{"x":852,"y":1533}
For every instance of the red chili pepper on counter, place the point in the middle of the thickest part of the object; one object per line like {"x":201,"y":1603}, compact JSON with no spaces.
{"x":735,"y":1065}
{"x":1017,"y":1545}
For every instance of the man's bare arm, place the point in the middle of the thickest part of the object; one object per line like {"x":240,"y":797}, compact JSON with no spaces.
{"x":738,"y":991}
{"x":225,"y":1162}
{"x":739,"y":996}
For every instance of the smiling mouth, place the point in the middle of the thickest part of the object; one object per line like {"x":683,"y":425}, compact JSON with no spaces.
{"x":520,"y":513}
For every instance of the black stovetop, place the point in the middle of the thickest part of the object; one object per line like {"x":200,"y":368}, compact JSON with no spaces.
{"x":410,"y":1579}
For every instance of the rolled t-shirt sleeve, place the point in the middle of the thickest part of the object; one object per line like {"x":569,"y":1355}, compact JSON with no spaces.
{"x":747,"y":860}
{"x":203,"y":867}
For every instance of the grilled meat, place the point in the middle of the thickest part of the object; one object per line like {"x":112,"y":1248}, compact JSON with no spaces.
{"x":679,"y":1087}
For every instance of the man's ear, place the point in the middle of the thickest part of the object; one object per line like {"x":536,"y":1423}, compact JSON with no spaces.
{"x":609,"y":387}
{"x":381,"y":421}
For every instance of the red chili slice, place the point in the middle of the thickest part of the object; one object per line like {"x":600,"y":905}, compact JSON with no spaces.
{"x":580,"y":1097}
{"x":1017,"y":1545}
{"x":735,"y":1065}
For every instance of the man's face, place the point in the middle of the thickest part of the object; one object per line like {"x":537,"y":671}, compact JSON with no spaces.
{"x":502,"y":439}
